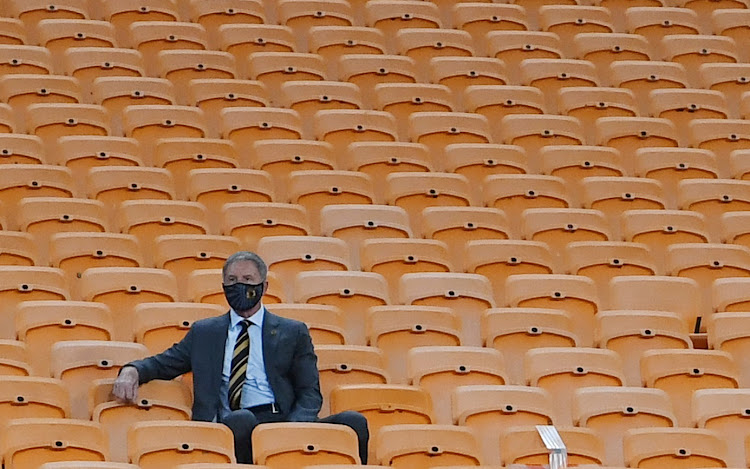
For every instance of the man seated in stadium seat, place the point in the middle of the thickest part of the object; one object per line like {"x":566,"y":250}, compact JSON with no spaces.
{"x":249,"y":366}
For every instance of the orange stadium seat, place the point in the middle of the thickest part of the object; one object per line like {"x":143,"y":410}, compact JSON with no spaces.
{"x":681,"y":372}
{"x":46,"y":216}
{"x":214,"y":15}
{"x":423,"y":44}
{"x":88,"y":63}
{"x":422,"y":445}
{"x":733,"y":26}
{"x":514,"y":331}
{"x":214,"y":187}
{"x":557,"y":227}
{"x":115,"y":93}
{"x":148,"y":123}
{"x":152,"y":37}
{"x":563,"y":370}
{"x":357,"y":223}
{"x":307,"y":97}
{"x":21,"y":149}
{"x":384,"y":405}
{"x":498,"y":259}
{"x":614,"y":195}
{"x":334,"y":42}
{"x":182,"y":254}
{"x":246,"y":125}
{"x":33,"y":397}
{"x":512,"y":47}
{"x":457,"y":225}
{"x":83,"y":152}
{"x":441,"y":369}
{"x":275,"y":68}
{"x":733,"y":227}
{"x":167,"y":443}
{"x":214,"y":94}
{"x":241,"y":40}
{"x":122,"y":14}
{"x":728,"y":332}
{"x":50,"y":121}
{"x":325,"y":322}
{"x":394,"y":257}
{"x":437,"y":129}
{"x":479,"y":20}
{"x":280,"y":157}
{"x":669,"y":166}
{"x":611,"y":411}
{"x":657,"y":293}
{"x":122,"y":288}
{"x":157,"y":400}
{"x":297,"y":444}
{"x":77,"y":363}
{"x":367,"y":70}
{"x":572,"y":293}
{"x":29,"y":442}
{"x":27,"y":283}
{"x":352,"y":292}
{"x":348,"y":364}
{"x":19,"y":248}
{"x":602,"y":49}
{"x":675,"y":447}
{"x":394,"y":329}
{"x":524,"y":445}
{"x":12,"y":32}
{"x":113,"y":185}
{"x":181,"y":66}
{"x":159,"y":325}
{"x":42,"y":323}
{"x":14,"y":358}
{"x":316,"y":189}
{"x":722,"y":411}
{"x":58,"y":35}
{"x":251,"y":221}
{"x":391,"y":16}
{"x":497,"y":101}
{"x":569,"y":20}
{"x":488,"y":410}
{"x":403,"y":99}
{"x":458,"y":73}
{"x":630,"y":332}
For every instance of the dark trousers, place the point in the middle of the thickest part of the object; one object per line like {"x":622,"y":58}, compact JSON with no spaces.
{"x":242,"y":423}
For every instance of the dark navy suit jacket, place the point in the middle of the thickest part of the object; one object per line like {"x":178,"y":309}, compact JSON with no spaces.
{"x":291,"y":366}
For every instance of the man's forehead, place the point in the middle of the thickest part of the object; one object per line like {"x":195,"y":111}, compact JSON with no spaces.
{"x":243,"y":267}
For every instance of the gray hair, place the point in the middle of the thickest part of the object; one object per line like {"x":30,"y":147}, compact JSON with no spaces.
{"x":246,"y":256}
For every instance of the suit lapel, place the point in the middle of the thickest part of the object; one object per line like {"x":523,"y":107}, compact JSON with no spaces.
{"x":216,"y":340}
{"x":270,"y":342}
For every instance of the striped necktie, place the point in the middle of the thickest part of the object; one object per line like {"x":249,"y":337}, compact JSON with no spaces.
{"x":239,"y":365}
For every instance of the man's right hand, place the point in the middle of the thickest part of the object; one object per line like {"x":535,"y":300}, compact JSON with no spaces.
{"x":125,"y":388}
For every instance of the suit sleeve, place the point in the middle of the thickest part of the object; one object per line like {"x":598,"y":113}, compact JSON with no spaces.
{"x":305,"y":380}
{"x":167,"y":365}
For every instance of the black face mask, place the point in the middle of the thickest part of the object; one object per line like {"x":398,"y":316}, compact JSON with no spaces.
{"x":243,"y":296}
